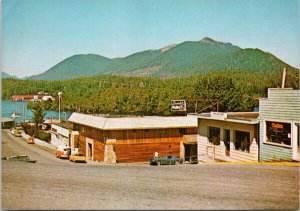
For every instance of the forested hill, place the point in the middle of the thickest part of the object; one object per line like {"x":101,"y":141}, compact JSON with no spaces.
{"x":107,"y":94}
{"x":184,"y":59}
{"x":6,"y":75}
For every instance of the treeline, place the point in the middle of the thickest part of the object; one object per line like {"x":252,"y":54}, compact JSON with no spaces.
{"x":108,"y":94}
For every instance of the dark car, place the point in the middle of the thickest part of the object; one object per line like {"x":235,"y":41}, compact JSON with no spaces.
{"x":168,"y":160}
{"x":24,"y":158}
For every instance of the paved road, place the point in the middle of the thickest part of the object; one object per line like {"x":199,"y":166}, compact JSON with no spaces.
{"x":59,"y":184}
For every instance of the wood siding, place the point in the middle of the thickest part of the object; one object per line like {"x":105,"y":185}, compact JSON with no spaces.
{"x":282,"y":105}
{"x":82,"y":145}
{"x":232,"y":126}
{"x":275,"y":153}
{"x":133,"y":145}
{"x":99,"y":148}
{"x":210,"y":151}
{"x":207,"y":150}
{"x":127,"y":153}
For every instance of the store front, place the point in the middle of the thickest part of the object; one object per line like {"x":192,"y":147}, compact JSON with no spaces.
{"x":279,"y":125}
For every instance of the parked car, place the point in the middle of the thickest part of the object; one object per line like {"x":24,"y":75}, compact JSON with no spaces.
{"x":168,"y":160}
{"x":77,"y":157}
{"x":30,"y":140}
{"x":16,"y":131}
{"x":63,"y":152}
{"x":24,"y":158}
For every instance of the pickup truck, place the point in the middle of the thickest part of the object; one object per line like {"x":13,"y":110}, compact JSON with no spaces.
{"x":168,"y":160}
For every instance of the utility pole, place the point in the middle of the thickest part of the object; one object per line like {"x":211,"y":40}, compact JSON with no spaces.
{"x":283,"y":78}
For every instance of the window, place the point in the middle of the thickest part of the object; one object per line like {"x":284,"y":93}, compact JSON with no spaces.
{"x":162,"y":131}
{"x":183,"y":131}
{"x":278,"y":132}
{"x":242,"y":141}
{"x":214,"y":135}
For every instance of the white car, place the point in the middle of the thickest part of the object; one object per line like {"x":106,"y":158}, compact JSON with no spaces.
{"x":16,"y":131}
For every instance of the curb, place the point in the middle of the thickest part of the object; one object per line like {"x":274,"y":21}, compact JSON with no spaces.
{"x":293,"y":164}
{"x":39,"y":142}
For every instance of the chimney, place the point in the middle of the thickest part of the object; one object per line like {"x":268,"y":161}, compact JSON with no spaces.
{"x":283,"y":77}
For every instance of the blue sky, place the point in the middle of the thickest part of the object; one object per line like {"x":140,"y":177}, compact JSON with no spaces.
{"x":37,"y":34}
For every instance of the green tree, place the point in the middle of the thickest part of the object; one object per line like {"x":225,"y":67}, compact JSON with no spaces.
{"x":38,"y":114}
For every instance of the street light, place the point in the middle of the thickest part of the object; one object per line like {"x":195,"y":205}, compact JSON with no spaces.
{"x":59,"y":96}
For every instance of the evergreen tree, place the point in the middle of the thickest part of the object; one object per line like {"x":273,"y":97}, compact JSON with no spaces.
{"x":38,"y":114}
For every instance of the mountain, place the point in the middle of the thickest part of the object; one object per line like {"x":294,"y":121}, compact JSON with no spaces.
{"x":184,"y":59}
{"x":75,"y":66}
{"x":6,"y":75}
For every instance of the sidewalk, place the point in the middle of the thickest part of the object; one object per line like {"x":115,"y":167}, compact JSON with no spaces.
{"x":40,"y":143}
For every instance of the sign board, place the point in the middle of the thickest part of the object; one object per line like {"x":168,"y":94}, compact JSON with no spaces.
{"x":178,"y":105}
{"x":218,"y":115}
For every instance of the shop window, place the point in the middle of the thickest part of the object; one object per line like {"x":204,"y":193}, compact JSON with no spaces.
{"x":242,"y":141}
{"x":278,"y":132}
{"x":214,"y":135}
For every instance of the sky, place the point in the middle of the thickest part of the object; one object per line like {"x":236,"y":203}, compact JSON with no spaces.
{"x":37,"y":34}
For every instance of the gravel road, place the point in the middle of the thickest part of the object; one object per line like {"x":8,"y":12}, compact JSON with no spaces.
{"x":58,"y":184}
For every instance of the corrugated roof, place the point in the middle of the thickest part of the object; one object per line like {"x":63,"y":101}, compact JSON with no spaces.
{"x":6,"y":119}
{"x":121,"y":123}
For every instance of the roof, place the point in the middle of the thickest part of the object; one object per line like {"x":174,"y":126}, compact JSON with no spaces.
{"x":239,"y":117}
{"x":121,"y":123}
{"x":67,"y":125}
{"x":6,"y":119}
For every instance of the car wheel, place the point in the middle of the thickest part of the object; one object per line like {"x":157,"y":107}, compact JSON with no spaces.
{"x":181,"y":161}
{"x":75,"y":161}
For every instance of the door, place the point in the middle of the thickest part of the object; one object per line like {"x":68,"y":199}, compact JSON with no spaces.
{"x":89,"y":149}
{"x":227,"y":141}
{"x":296,"y":143}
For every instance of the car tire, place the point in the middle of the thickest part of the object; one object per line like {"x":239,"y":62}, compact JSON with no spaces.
{"x":180,"y":161}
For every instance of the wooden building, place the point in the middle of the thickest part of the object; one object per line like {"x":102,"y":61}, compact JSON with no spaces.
{"x":133,"y":139}
{"x":279,"y":117}
{"x":25,"y":97}
{"x":7,"y":122}
{"x":228,"y":136}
